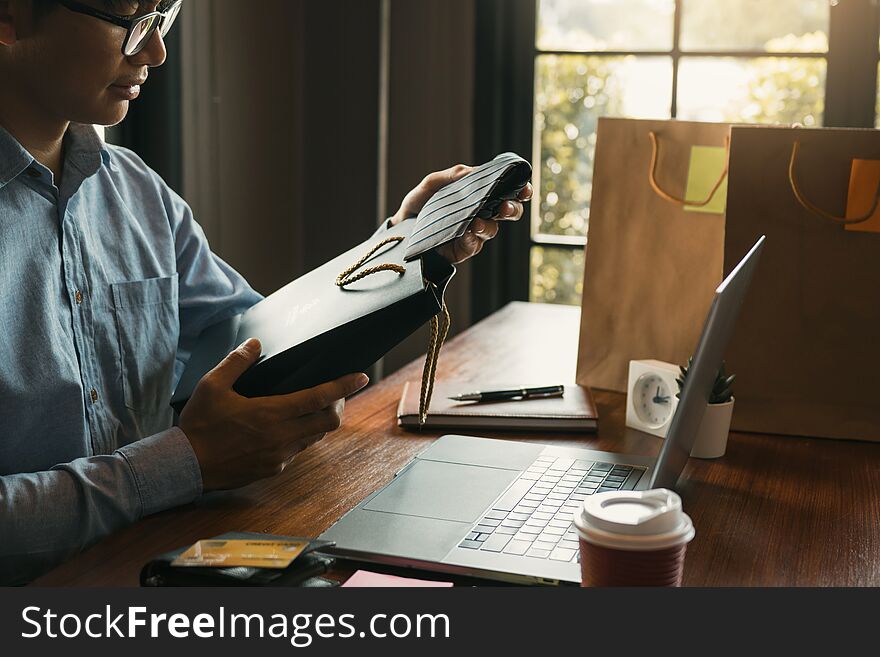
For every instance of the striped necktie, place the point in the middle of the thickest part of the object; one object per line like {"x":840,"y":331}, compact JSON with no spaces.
{"x":447,"y":215}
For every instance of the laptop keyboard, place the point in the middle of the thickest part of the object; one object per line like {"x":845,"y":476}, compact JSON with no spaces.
{"x":534,"y":517}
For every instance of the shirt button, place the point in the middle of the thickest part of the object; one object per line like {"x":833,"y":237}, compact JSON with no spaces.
{"x":94,"y":395}
{"x":79,"y":297}
{"x":33,"y":173}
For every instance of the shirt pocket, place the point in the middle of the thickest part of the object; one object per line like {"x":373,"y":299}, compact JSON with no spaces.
{"x":148,"y":327}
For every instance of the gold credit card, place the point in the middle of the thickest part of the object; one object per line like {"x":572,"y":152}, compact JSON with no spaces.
{"x":241,"y":552}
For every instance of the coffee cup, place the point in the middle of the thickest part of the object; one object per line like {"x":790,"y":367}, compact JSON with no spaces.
{"x":633,"y":538}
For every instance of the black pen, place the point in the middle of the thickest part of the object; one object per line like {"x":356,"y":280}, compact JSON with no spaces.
{"x":513,"y":393}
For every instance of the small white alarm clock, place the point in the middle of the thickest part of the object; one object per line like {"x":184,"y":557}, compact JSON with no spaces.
{"x":651,"y":396}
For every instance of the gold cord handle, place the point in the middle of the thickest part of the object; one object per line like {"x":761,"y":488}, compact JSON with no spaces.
{"x":346,"y":278}
{"x":652,"y":177}
{"x":816,"y":210}
{"x":439,"y":330}
{"x":439,"y":327}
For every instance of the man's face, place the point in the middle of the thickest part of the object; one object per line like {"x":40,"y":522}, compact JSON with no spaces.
{"x":71,"y":66}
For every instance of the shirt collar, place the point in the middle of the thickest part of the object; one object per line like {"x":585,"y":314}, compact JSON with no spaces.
{"x":83,"y":147}
{"x":13,"y":158}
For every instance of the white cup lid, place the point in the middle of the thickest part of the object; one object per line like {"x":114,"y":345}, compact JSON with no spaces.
{"x":634,"y":520}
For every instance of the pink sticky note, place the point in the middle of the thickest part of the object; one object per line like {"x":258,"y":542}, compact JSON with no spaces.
{"x":366,"y":579}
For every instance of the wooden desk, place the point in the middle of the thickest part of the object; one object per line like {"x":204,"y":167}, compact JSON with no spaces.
{"x":773,"y":511}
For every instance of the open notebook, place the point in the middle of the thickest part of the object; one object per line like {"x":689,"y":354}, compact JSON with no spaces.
{"x":574,"y":411}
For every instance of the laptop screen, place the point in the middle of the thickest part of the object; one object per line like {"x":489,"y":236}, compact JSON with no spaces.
{"x":701,"y":375}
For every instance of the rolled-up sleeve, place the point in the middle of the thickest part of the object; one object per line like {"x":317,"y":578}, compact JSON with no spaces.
{"x":165,"y":471}
{"x":49,"y":516}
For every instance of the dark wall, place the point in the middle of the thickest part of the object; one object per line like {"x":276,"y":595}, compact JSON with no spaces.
{"x":280,"y":112}
{"x":430,"y":121}
{"x":300,"y":137}
{"x":339,"y":143}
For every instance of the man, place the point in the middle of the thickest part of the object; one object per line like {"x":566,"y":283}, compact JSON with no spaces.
{"x":107,"y":280}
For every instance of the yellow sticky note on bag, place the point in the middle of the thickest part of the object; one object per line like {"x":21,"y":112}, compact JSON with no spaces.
{"x":863,"y":190}
{"x":706,"y":167}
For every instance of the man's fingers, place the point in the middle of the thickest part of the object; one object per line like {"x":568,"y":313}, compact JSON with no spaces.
{"x":315,"y":399}
{"x":430,"y":185}
{"x":235,"y":364}
{"x":301,"y":445}
{"x":513,"y":210}
{"x":484,"y":229}
{"x":326,"y":420}
{"x":296,"y":434}
{"x":510,"y":211}
{"x":434,"y":182}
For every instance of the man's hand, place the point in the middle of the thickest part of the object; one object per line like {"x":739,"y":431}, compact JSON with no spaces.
{"x":239,"y":440}
{"x":479,"y":232}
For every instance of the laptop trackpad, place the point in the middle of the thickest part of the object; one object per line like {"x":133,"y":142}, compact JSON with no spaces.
{"x":445,"y":491}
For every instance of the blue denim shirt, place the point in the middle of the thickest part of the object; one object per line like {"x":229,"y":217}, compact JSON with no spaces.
{"x":106,"y":283}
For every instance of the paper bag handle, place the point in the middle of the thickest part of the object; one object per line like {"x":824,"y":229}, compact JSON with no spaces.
{"x":439,"y":326}
{"x":652,"y":177}
{"x":816,"y":210}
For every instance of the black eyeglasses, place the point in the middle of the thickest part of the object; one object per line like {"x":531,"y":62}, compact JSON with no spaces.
{"x":140,"y":28}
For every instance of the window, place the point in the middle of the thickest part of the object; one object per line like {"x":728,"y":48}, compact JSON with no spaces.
{"x":705,"y":60}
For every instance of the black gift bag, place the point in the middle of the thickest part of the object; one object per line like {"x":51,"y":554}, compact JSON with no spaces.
{"x":315,"y":329}
{"x":344,"y":316}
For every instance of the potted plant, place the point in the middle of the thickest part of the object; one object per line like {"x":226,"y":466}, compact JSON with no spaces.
{"x":711,"y":440}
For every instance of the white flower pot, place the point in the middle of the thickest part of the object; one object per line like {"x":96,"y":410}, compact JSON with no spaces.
{"x":711,"y":439}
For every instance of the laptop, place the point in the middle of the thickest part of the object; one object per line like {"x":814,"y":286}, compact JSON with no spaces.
{"x":503,"y":510}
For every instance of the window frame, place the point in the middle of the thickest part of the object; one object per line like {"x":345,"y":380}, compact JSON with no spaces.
{"x":504,"y":109}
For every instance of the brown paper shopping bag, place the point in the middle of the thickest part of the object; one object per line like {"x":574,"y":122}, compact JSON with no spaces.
{"x":806,"y":350}
{"x":655,"y":247}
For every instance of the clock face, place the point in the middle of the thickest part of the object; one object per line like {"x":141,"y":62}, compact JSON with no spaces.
{"x":652,"y":399}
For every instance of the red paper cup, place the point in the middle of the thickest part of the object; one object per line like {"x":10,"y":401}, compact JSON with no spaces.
{"x":633,"y":538}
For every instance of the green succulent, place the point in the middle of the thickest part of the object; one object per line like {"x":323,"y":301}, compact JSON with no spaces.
{"x":721,"y":389}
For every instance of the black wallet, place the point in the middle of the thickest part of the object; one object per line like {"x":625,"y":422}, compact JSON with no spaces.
{"x":304,"y":571}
